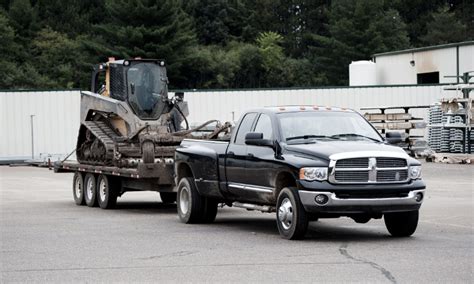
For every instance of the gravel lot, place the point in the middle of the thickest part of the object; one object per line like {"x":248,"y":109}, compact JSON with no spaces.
{"x":45,"y":237}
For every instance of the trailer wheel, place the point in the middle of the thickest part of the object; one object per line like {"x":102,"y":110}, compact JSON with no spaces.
{"x":90,"y":190}
{"x":292,"y":220}
{"x":190,"y":202}
{"x":78,"y":188}
{"x":401,"y":224}
{"x":168,"y":197}
{"x":107,"y":188}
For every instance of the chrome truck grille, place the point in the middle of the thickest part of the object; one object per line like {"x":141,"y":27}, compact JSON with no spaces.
{"x":368,"y":170}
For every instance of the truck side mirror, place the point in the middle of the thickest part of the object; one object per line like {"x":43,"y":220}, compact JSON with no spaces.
{"x":256,"y":139}
{"x":393,"y":137}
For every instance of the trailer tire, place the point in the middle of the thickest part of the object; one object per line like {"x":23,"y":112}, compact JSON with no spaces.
{"x":190,"y":203}
{"x":90,"y":190}
{"x":292,"y":220}
{"x":107,"y":189}
{"x":78,"y":188}
{"x":401,"y":224}
{"x":168,"y":197}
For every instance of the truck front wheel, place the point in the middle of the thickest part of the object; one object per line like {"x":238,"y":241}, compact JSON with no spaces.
{"x":401,"y":224}
{"x":292,"y":220}
{"x":190,"y":203}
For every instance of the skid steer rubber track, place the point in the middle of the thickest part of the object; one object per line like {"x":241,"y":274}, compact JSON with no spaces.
{"x":106,"y":136}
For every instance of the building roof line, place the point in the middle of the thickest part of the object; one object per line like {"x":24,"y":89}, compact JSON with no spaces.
{"x":425,"y":48}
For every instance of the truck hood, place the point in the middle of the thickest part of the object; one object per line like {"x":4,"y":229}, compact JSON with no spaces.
{"x":323,"y":149}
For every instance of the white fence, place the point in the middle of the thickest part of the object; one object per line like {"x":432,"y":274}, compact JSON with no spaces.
{"x":56,"y":113}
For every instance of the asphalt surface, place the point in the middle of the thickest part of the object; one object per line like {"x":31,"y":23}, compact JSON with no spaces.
{"x":45,"y":237}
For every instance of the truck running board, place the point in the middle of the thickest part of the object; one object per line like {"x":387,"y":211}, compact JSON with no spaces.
{"x":249,"y":206}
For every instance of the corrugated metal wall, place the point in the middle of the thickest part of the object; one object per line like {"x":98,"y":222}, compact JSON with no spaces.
{"x":55,"y":123}
{"x":229,"y":105}
{"x":56,"y":114}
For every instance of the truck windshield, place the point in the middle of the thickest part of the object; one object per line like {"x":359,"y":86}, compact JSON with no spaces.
{"x":147,"y":94}
{"x":299,"y":127}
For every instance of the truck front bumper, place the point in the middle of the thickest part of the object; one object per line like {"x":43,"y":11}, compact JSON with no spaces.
{"x":333,"y":204}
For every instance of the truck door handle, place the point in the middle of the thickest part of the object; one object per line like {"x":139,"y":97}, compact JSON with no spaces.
{"x":250,"y":155}
{"x":230,"y":153}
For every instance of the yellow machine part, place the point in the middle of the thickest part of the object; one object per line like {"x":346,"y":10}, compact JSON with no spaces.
{"x":119,"y":125}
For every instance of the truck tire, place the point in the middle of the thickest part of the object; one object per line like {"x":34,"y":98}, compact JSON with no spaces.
{"x":292,"y":220}
{"x":401,"y":224}
{"x":90,"y":190}
{"x":78,"y":188}
{"x":210,"y":210}
{"x":191,"y":208}
{"x":168,"y":197}
{"x":107,"y":188}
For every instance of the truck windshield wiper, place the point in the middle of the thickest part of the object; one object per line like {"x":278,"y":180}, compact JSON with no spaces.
{"x":354,"y":135}
{"x":308,"y":137}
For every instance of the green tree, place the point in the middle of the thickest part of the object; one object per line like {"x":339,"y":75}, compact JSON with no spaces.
{"x":8,"y":68}
{"x":56,"y":59}
{"x":23,"y":17}
{"x":357,"y":29}
{"x":217,"y":21}
{"x":445,"y":27}
{"x":149,"y":29}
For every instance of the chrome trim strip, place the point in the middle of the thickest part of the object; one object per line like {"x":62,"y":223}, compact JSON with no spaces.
{"x":251,"y":187}
{"x":307,"y":199}
{"x":367,"y":169}
{"x":207,"y":141}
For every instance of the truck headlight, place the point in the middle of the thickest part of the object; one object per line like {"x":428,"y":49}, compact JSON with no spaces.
{"x":311,"y":174}
{"x":414,"y":172}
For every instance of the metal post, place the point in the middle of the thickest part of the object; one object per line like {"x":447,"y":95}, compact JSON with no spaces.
{"x":32,"y":138}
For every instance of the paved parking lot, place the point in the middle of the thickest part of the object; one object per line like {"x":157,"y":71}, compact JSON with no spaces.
{"x":45,"y":237}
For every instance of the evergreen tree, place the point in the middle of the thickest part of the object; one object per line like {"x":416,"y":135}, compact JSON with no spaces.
{"x":148,"y":29}
{"x":217,"y":21}
{"x":445,"y":27}
{"x":8,"y":68}
{"x":56,"y":59}
{"x":357,"y":30}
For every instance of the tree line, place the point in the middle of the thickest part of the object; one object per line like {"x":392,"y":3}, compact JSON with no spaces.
{"x":52,"y":44}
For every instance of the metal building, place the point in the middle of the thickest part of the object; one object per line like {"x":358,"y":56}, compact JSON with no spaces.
{"x":45,"y":125}
{"x":425,"y":65}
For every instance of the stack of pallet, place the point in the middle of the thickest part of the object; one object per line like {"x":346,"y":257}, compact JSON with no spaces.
{"x":402,"y":122}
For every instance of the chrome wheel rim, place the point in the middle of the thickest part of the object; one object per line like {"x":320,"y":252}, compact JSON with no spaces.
{"x":285,"y":214}
{"x":89,"y":188}
{"x":102,"y":190}
{"x":78,"y":187}
{"x":184,"y":200}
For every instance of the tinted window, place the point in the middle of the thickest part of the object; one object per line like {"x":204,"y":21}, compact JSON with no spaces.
{"x":146,"y":90}
{"x":245,"y":127}
{"x":264,"y":125}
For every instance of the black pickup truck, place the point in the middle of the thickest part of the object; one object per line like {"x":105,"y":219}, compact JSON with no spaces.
{"x":304,"y":163}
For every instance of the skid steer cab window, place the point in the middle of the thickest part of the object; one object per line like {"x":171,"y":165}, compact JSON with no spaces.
{"x":146,"y":85}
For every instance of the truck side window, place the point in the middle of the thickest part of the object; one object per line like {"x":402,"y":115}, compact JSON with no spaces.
{"x":245,"y":127}
{"x":264,"y":125}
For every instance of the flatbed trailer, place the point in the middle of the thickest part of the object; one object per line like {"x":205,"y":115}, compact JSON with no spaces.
{"x":95,"y":185}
